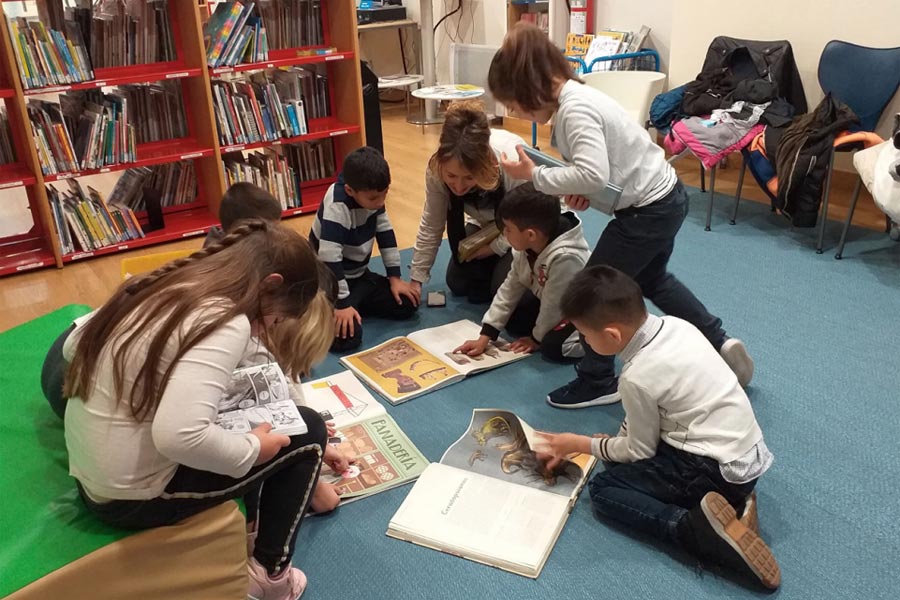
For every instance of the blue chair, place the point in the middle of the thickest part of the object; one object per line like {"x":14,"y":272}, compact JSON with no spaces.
{"x":865,"y":79}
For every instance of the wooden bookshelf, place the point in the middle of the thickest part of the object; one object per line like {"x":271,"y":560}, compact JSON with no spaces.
{"x":40,"y":246}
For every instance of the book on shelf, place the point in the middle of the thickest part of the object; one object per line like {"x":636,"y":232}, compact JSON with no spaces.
{"x":100,"y":127}
{"x":85,"y":221}
{"x":605,"y":44}
{"x":405,"y":367}
{"x":234,"y":34}
{"x":490,"y":499}
{"x":312,"y":160}
{"x":51,"y":137}
{"x":385,"y":457}
{"x":268,"y":170}
{"x":256,"y":395}
{"x":577,"y":45}
{"x":157,"y":110}
{"x":176,"y":183}
{"x":133,"y":32}
{"x":292,"y":23}
{"x":7,"y":152}
{"x":48,"y":56}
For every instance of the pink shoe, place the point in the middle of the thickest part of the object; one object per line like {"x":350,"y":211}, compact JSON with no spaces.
{"x":288,"y":585}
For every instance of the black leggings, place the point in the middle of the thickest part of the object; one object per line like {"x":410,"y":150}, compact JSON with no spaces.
{"x":53,"y":374}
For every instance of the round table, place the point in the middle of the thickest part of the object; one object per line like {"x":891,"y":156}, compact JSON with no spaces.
{"x":404,"y":81}
{"x":446,"y":93}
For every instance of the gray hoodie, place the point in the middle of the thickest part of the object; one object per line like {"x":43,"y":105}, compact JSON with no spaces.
{"x":547,"y":277}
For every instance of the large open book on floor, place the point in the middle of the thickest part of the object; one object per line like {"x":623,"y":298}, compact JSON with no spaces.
{"x":405,"y":367}
{"x":490,"y":499}
{"x":258,"y":395}
{"x":385,"y":458}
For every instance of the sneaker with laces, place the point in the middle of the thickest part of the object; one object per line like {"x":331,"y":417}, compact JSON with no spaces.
{"x":722,"y":538}
{"x":738,"y":359}
{"x":580,"y":393}
{"x":287,"y":585}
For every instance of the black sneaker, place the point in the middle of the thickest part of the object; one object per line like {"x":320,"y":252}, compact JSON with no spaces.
{"x":579,"y":393}
{"x":720,"y":537}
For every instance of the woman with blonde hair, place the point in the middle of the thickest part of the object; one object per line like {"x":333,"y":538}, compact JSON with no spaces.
{"x":463,"y":187}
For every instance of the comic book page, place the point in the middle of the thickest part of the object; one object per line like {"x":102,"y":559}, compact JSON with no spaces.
{"x":341,"y":399}
{"x":258,"y":395}
{"x":500,"y":445}
{"x":442,"y":341}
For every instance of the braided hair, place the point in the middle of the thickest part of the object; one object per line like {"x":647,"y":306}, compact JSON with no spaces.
{"x":167,"y":312}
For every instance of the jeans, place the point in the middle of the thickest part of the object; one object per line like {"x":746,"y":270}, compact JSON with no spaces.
{"x":370,"y":295}
{"x":654,"y":495}
{"x":639,"y":242}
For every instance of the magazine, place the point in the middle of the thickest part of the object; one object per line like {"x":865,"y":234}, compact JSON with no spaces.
{"x":405,"y":367}
{"x":606,"y":200}
{"x":385,"y":457}
{"x":490,"y":499}
{"x":258,"y":395}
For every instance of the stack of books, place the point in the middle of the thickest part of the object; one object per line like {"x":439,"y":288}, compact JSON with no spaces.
{"x":312,"y":160}
{"x":268,"y":170}
{"x":157,"y":109}
{"x":85,"y":221}
{"x":292,"y":23}
{"x":254,"y":109}
{"x":234,"y":34}
{"x":7,"y":152}
{"x":176,"y":183}
{"x":308,"y":83}
{"x":51,"y":138}
{"x":131,"y":33}
{"x":48,"y":56}
{"x":100,"y":128}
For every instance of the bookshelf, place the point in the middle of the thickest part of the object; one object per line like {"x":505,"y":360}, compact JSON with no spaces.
{"x":40,"y":246}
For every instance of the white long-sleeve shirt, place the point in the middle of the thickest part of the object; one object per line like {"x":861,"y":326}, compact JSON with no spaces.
{"x":116,"y":458}
{"x":677,"y":389}
{"x":605,"y":145}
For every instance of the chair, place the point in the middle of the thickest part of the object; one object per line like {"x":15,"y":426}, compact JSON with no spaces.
{"x":865,"y":79}
{"x":634,"y":90}
{"x":136,"y":265}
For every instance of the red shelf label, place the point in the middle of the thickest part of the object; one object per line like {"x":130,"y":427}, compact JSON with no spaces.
{"x":335,"y":57}
{"x":99,"y":83}
{"x":29,"y":266}
{"x":220,"y":70}
{"x":191,"y":155}
{"x":177,"y":75}
{"x":233,"y":148}
{"x":339,"y":132}
{"x":193,"y":233}
{"x":82,"y":255}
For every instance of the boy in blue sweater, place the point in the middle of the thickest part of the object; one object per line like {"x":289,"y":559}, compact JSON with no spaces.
{"x":349,"y":221}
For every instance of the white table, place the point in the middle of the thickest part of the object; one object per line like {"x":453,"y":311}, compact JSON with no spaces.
{"x":445,"y":93}
{"x":405,"y":81}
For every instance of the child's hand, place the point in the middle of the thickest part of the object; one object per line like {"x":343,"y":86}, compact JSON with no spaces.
{"x":560,"y":445}
{"x":576,"y":202}
{"x":330,"y":428}
{"x":269,"y":443}
{"x":523,"y":168}
{"x":525,"y":345}
{"x":474,"y":347}
{"x":402,"y":288}
{"x":481,"y":253}
{"x":325,"y":498}
{"x":416,"y":287}
{"x":335,"y":459}
{"x":344,"y":322}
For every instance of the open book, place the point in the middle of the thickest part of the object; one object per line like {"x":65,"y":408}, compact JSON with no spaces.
{"x":490,"y":499}
{"x":606,"y":200}
{"x":385,"y":458}
{"x":405,"y":367}
{"x":258,"y":395}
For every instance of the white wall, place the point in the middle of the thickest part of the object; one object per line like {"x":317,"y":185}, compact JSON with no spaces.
{"x":807,"y":24}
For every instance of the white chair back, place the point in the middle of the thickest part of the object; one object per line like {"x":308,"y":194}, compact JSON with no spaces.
{"x":634,"y":90}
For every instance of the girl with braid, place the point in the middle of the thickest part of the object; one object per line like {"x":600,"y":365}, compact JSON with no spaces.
{"x":147,"y":372}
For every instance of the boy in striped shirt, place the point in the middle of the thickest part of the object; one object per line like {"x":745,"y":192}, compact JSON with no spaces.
{"x":349,"y":221}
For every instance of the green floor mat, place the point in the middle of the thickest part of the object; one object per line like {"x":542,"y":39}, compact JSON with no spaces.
{"x":43,"y":522}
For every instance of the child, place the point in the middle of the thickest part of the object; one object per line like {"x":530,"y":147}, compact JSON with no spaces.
{"x":146,"y":376}
{"x":349,"y":221}
{"x":605,"y":145}
{"x":689,"y":452}
{"x":548,"y":250}
{"x":243,"y":201}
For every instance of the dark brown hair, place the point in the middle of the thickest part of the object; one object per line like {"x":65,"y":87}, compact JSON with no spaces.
{"x":601,"y":295}
{"x":226,"y":279}
{"x":466,"y":137}
{"x":527,"y":68}
{"x":527,"y":208}
{"x":244,"y":200}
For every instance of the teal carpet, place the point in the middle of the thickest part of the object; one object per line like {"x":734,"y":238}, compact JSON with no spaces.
{"x":825,"y":337}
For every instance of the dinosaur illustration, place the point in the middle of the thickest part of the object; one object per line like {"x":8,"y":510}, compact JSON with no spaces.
{"x":493,"y":427}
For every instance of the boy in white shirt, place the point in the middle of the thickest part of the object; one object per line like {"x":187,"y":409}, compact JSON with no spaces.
{"x":689,"y":452}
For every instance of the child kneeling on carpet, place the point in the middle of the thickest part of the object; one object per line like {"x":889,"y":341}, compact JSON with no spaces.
{"x":689,"y":452}
{"x":242,"y":200}
{"x":548,"y":250}
{"x":349,"y":221}
{"x":147,"y":374}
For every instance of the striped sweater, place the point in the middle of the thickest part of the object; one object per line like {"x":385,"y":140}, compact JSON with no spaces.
{"x":343,"y":235}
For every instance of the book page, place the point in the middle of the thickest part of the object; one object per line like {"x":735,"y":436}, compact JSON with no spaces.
{"x":481,"y":518}
{"x":385,"y":458}
{"x":442,"y":341}
{"x":400,"y":369}
{"x":498,"y":444}
{"x":258,"y":395}
{"x":341,"y":399}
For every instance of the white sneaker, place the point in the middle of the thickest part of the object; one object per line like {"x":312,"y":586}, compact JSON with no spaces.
{"x":288,"y":585}
{"x":735,"y":354}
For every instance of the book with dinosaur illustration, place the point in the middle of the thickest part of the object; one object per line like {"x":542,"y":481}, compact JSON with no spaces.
{"x":405,"y":367}
{"x":385,"y":457}
{"x":490,"y":499}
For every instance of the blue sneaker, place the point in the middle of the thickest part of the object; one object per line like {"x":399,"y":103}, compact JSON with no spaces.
{"x":580,"y":393}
